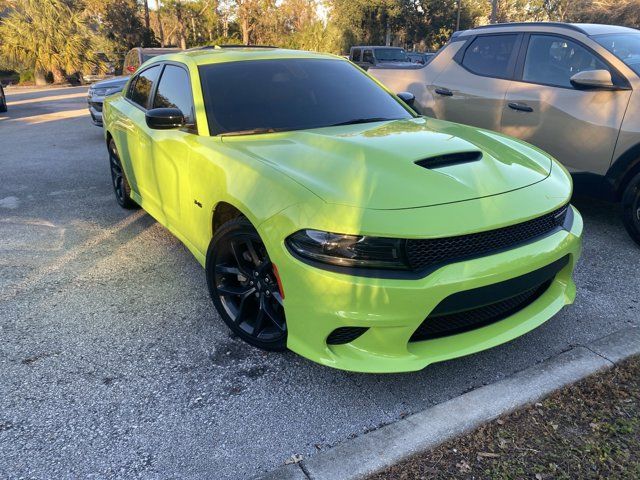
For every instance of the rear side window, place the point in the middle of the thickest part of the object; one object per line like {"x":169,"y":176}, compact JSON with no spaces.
{"x":174,"y":91}
{"x":142,"y":86}
{"x":356,"y":56}
{"x":490,"y":55}
{"x":367,"y":56}
{"x":554,"y":60}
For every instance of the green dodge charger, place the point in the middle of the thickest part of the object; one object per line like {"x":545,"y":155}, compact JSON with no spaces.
{"x":331,"y":219}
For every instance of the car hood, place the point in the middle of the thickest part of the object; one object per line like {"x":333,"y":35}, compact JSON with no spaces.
{"x":374,"y":165}
{"x":111,"y":82}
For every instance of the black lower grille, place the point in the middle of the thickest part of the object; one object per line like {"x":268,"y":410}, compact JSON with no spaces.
{"x":96,"y":105}
{"x":423,"y":254}
{"x":483,"y":306}
{"x":344,"y":335}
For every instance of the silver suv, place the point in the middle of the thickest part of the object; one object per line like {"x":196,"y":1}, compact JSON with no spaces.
{"x":570,"y":89}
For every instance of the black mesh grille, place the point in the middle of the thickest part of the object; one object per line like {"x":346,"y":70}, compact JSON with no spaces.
{"x":426,"y":253}
{"x":96,"y":105}
{"x":459,"y":322}
{"x":344,"y":335}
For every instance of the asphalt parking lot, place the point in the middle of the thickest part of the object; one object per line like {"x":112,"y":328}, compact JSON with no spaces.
{"x":113,"y":362}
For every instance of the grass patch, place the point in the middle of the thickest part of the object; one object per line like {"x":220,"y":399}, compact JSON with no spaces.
{"x":590,"y":430}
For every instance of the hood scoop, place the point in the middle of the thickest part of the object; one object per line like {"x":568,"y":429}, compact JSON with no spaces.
{"x":448,"y":159}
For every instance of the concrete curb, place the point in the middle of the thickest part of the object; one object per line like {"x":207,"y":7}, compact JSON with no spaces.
{"x":377,"y":450}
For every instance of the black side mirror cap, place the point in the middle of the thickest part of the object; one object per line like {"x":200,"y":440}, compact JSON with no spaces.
{"x":407,"y":97}
{"x":165,"y":118}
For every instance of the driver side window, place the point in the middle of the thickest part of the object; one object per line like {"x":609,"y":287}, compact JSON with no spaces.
{"x":553,"y":60}
{"x":367,"y":56}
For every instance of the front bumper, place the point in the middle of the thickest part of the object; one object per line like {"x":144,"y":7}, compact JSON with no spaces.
{"x":318,"y":301}
{"x":95,"y":110}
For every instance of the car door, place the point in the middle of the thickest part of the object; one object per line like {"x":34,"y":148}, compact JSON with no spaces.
{"x":472,"y":87}
{"x":171,"y":148}
{"x":135,"y":141}
{"x":578,"y":126}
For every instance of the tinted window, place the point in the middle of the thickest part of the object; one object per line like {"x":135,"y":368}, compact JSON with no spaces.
{"x":625,"y":46}
{"x":554,"y":60}
{"x":391,"y":55}
{"x":174,"y":91}
{"x":143,"y":85}
{"x":490,"y":55}
{"x":367,"y":56}
{"x":357,"y":55}
{"x":291,"y":94}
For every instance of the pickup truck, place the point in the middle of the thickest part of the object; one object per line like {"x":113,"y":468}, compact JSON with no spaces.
{"x":366,"y":56}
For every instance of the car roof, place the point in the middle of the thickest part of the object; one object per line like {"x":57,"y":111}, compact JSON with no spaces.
{"x":159,"y":51}
{"x":208,"y":56}
{"x":584,"y":28}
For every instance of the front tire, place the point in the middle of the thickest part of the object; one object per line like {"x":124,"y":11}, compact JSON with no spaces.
{"x":121,"y":187}
{"x":631,"y":208}
{"x":244,"y":287}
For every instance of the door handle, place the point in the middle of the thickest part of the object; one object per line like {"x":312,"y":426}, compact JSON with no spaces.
{"x":444,"y":91}
{"x":521,"y":107}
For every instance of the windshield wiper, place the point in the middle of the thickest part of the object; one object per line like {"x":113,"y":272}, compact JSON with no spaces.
{"x":252,"y":131}
{"x":355,"y":121}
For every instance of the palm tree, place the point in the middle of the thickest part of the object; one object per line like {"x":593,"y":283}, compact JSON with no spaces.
{"x":46,"y":36}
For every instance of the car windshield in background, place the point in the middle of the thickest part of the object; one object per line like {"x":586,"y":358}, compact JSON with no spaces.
{"x":391,"y":55}
{"x":625,"y":46}
{"x":259,"y":96}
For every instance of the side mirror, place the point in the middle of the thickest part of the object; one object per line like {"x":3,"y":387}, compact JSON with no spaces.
{"x":165,"y":118}
{"x":593,"y":79}
{"x":407,"y":97}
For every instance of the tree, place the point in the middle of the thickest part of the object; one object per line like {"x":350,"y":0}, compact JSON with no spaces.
{"x":47,"y":36}
{"x":119,"y":23}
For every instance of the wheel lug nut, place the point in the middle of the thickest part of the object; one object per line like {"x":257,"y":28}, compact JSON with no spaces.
{"x":255,"y":274}
{"x":257,"y":294}
{"x":251,"y":282}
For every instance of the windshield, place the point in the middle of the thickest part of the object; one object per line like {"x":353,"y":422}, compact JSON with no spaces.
{"x":391,"y":55}
{"x":625,"y":46}
{"x":256,"y":96}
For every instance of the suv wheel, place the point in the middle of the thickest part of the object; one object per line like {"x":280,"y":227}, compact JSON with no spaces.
{"x":631,"y":208}
{"x":243,"y":286}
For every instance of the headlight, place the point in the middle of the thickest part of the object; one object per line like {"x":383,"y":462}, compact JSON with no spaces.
{"x":103,"y":92}
{"x":349,"y":250}
{"x":112,"y":90}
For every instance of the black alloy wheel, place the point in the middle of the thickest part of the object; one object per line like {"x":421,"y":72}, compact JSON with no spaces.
{"x":631,"y":208}
{"x":121,"y":187}
{"x":244,"y":287}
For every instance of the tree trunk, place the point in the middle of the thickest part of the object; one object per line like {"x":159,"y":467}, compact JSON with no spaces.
{"x":494,"y":11}
{"x":160,"y":29}
{"x":40,"y":77}
{"x":245,"y":31}
{"x":59,"y":76}
{"x":147,"y":20}
{"x":181,"y":29}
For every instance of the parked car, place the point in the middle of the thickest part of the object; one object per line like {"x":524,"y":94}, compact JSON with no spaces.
{"x":132,"y":61}
{"x":3,"y":100}
{"x":370,"y":56}
{"x":570,"y":89}
{"x":95,"y":75}
{"x":391,"y":254}
{"x":421,"y":58}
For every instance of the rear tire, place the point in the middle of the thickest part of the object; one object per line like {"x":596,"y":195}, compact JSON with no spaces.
{"x":631,"y":208}
{"x":244,"y":287}
{"x":121,"y":187}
